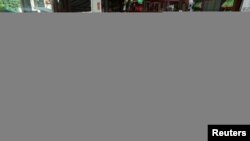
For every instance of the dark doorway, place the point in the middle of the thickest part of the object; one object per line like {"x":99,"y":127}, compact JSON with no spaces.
{"x":72,"y":5}
{"x":238,"y":4}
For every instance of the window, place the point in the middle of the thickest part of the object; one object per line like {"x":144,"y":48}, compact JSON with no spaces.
{"x":42,"y":5}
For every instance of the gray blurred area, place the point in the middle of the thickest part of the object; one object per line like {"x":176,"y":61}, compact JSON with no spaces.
{"x":164,"y":77}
